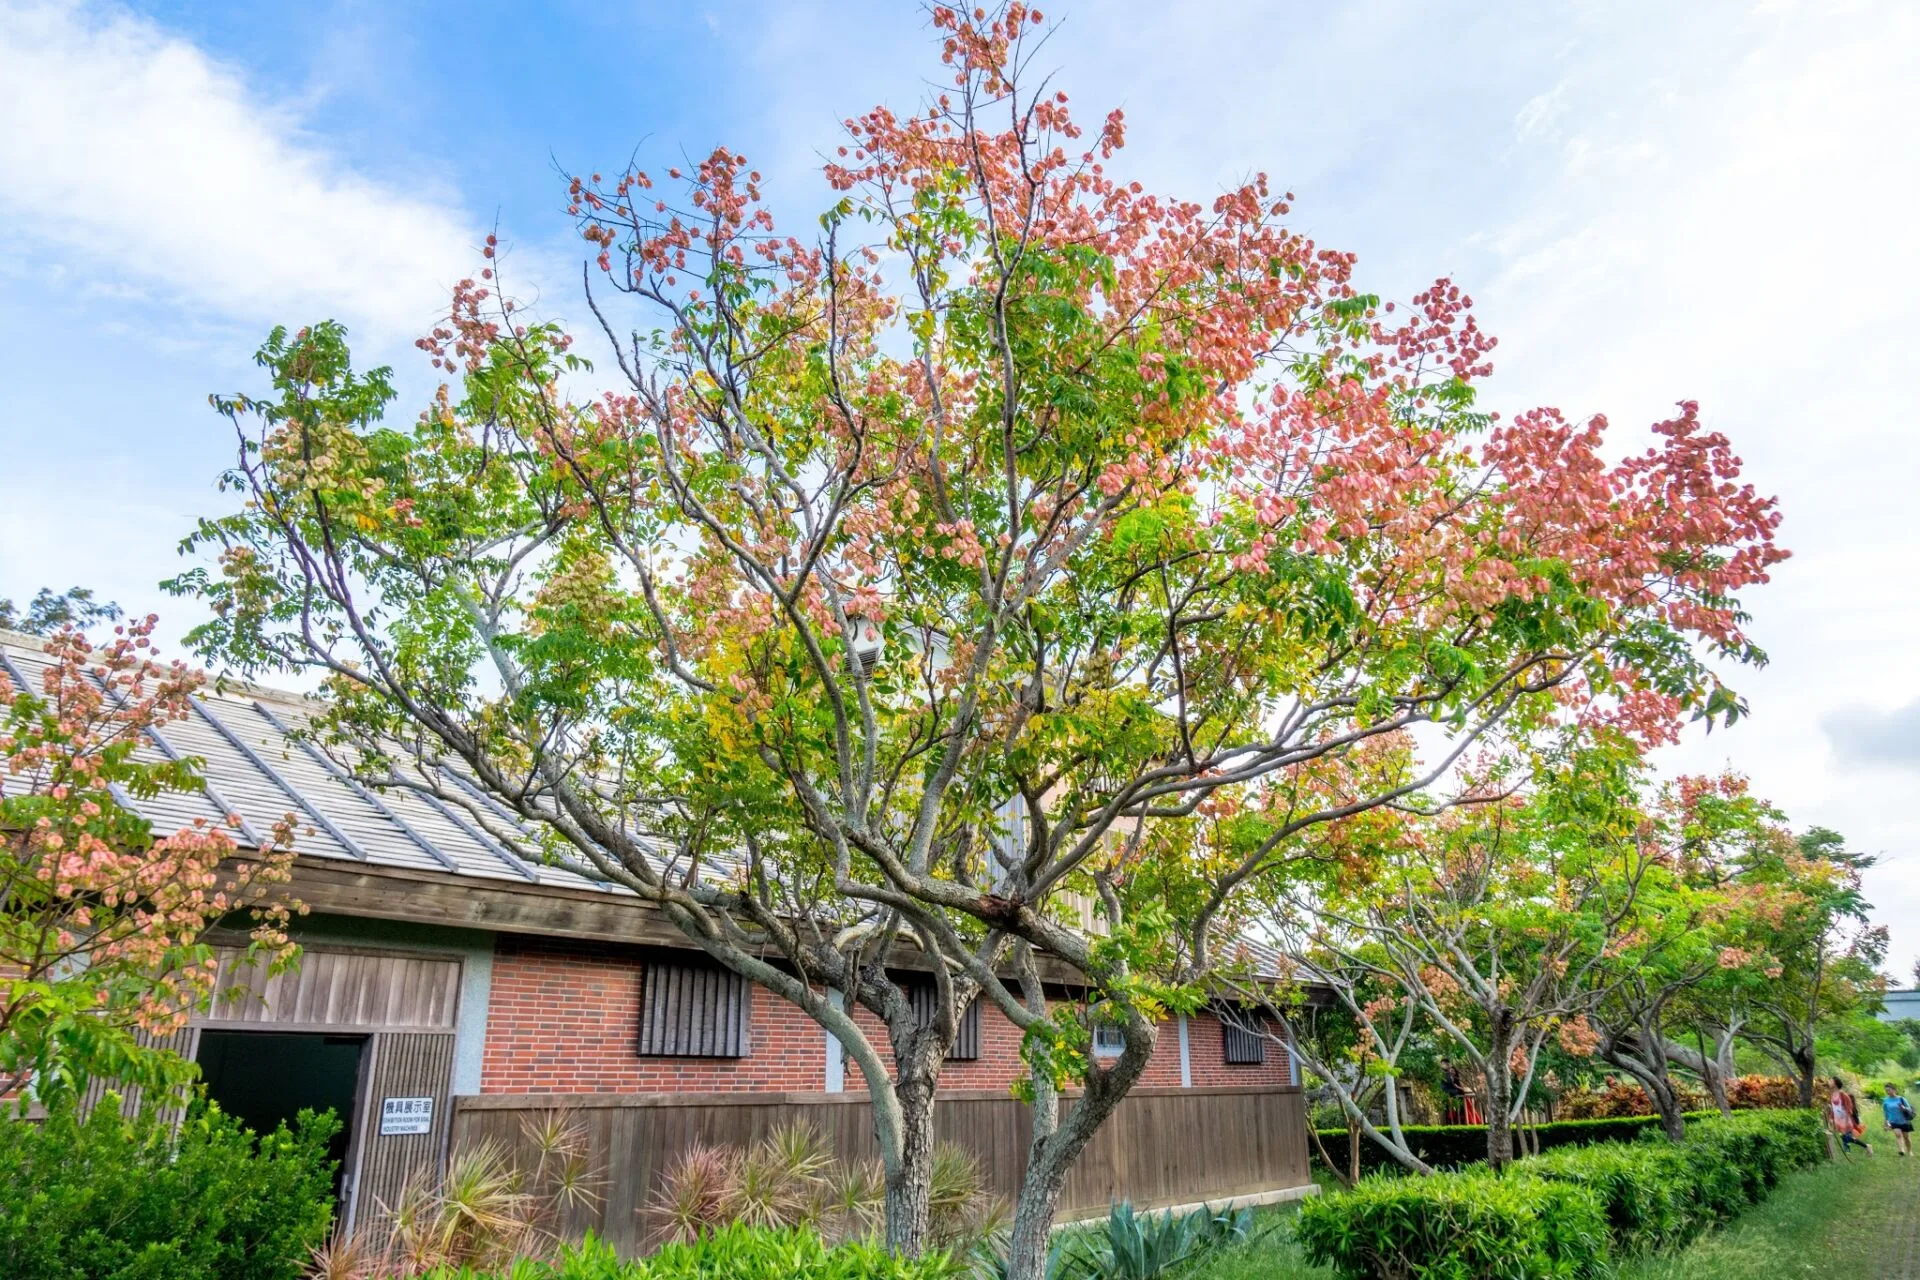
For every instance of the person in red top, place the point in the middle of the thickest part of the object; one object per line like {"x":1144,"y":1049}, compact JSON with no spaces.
{"x":1843,"y":1115}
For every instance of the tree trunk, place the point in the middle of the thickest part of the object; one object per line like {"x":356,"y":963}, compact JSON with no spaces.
{"x":909,"y":1173}
{"x":1353,"y":1154}
{"x":1803,"y":1060}
{"x":1499,"y":1130}
{"x":1326,"y":1159}
{"x":1717,"y":1086}
{"x":1498,"y":1094}
{"x":1715,"y":1069}
{"x":1647,"y":1064}
{"x":1058,"y":1142}
{"x":1723,"y":1070}
{"x":1673,"y":1121}
{"x":1497,"y":1089}
{"x":1666,"y":1099}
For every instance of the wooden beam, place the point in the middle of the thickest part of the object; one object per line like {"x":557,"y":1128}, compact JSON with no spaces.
{"x":339,"y":887}
{"x":470,"y":902}
{"x":599,"y":1101}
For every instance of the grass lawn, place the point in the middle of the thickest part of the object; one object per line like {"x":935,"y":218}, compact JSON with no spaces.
{"x":1841,"y":1221}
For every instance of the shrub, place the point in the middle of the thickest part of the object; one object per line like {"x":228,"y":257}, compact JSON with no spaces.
{"x":789,"y":1178}
{"x":488,"y":1210}
{"x":1643,"y":1196}
{"x":1625,"y":1098}
{"x":116,"y":1198}
{"x":1645,"y":1190}
{"x":1758,"y":1093}
{"x":1454,"y":1146}
{"x":1464,"y":1226}
{"x":1740,"y":1158}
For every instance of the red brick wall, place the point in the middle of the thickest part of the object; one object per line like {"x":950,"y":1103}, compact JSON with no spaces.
{"x":565,"y":1018}
{"x":1208,"y":1056}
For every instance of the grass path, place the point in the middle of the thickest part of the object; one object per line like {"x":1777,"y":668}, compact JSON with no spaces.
{"x":1849,"y":1220}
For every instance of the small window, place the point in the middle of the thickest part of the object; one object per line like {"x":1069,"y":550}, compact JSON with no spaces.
{"x":1244,"y":1046}
{"x":694,"y":1011}
{"x":966,"y":1038}
{"x":1109,"y":1042}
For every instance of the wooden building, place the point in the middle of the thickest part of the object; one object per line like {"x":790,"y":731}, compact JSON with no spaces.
{"x":448,"y":989}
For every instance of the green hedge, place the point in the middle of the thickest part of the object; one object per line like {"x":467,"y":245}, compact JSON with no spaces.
{"x":1564,"y":1215}
{"x":1458,"y":1226}
{"x":1453,"y":1146}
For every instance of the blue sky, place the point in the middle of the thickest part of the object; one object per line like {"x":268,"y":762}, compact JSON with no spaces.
{"x":1650,"y":201}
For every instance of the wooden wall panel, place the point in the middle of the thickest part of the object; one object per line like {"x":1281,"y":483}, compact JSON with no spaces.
{"x":337,"y":988}
{"x":403,"y":1065}
{"x":183,"y":1042}
{"x":1163,"y":1146}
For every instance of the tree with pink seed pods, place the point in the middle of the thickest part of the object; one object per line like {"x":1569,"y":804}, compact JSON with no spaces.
{"x":103,"y":920}
{"x":1005,"y":574}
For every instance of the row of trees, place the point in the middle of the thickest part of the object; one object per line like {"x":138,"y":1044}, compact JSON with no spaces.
{"x":1126,"y":552}
{"x":1584,"y":919}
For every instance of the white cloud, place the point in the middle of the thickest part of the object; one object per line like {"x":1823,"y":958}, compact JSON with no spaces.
{"x":133,"y":155}
{"x":1873,"y":738}
{"x":1723,"y":212}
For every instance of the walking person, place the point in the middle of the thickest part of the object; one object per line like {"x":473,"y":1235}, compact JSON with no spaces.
{"x":1843,"y":1114}
{"x":1899,"y":1113}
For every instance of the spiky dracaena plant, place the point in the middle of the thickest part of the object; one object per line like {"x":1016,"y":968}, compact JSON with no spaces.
{"x":692,"y":1194}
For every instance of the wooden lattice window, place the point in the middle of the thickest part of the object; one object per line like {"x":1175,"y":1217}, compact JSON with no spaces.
{"x":694,"y":1011}
{"x":925,"y":998}
{"x":1246,"y":1046}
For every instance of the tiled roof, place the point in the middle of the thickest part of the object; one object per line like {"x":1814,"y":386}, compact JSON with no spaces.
{"x":255,"y":766}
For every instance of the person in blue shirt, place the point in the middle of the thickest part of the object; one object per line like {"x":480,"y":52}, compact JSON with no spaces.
{"x":1899,"y":1113}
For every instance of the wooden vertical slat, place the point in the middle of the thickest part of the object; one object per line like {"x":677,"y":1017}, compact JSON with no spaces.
{"x":1162,"y":1147}
{"x":182,"y":1042}
{"x":404,"y":1065}
{"x":1243,"y":1047}
{"x":924,"y":996}
{"x":693,"y":1011}
{"x":332,"y":988}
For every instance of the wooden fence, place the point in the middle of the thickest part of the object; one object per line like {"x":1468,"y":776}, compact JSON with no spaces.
{"x":1164,"y":1146}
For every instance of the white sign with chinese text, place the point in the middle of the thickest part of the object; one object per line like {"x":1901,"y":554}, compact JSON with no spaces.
{"x":406,"y":1115}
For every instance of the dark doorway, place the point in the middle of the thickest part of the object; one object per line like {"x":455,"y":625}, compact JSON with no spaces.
{"x":265,"y":1077}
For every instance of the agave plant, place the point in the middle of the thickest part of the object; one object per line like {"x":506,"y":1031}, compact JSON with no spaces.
{"x":782,"y":1180}
{"x":483,"y":1214}
{"x":1143,"y":1246}
{"x":347,"y":1258}
{"x":790,"y":1178}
